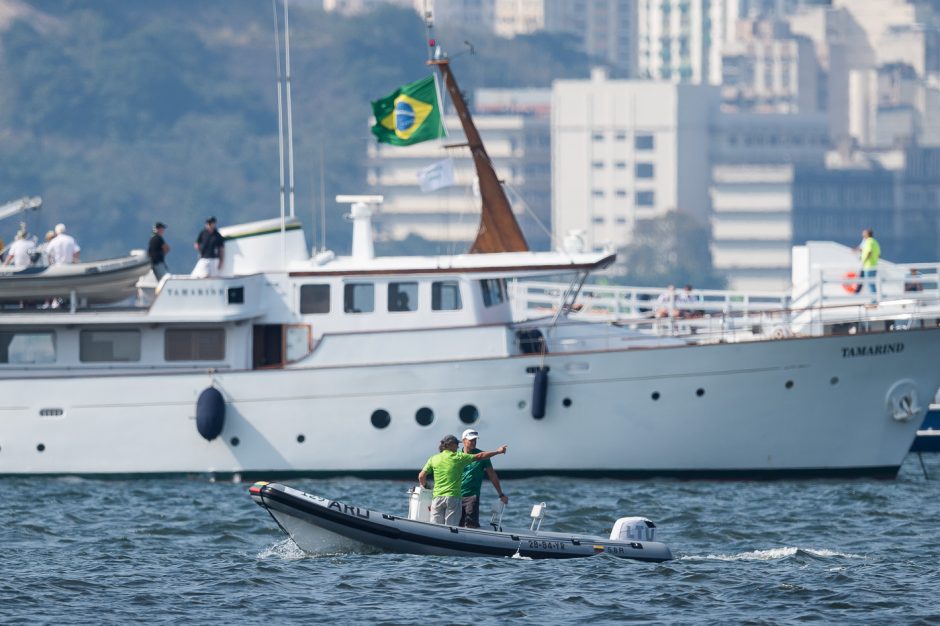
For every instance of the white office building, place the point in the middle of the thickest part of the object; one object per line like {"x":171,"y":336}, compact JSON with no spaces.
{"x":682,"y":40}
{"x":767,"y":70}
{"x":752,"y":231}
{"x":606,"y":29}
{"x":624,"y":150}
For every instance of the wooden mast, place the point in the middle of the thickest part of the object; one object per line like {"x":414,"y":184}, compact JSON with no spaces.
{"x":499,"y":231}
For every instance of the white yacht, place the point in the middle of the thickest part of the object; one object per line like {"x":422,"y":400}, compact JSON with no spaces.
{"x":292,"y":363}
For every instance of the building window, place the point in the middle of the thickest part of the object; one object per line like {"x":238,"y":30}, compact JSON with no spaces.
{"x":598,"y":193}
{"x":644,"y":170}
{"x":27,"y":347}
{"x":621,"y":193}
{"x":359,"y":298}
{"x":102,"y":346}
{"x":643,"y":142}
{"x":645,"y":198}
{"x":620,"y":165}
{"x":194,"y":344}
{"x":598,"y":219}
{"x":620,"y":136}
{"x":597,"y":136}
{"x":445,"y":296}
{"x":314,"y":299}
{"x":598,"y":165}
{"x":402,"y":297}
{"x":494,"y":291}
{"x":621,"y":220}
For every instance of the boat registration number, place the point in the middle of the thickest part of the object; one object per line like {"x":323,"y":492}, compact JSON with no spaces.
{"x":538,"y":544}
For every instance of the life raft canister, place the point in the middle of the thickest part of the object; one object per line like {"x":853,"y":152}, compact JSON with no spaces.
{"x":851,"y":287}
{"x":539,"y":392}
{"x":210,"y":413}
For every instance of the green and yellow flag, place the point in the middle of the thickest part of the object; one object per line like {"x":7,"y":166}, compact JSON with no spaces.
{"x":410,"y":114}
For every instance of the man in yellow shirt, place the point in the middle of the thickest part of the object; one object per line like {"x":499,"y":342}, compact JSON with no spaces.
{"x":448,"y":466}
{"x":870,"y":253}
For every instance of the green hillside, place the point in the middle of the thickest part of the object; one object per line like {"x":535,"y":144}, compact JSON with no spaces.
{"x":122,"y":112}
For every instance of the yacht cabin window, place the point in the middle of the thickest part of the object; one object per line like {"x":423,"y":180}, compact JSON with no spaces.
{"x":445,"y":296}
{"x":102,"y":346}
{"x":194,"y":344}
{"x":359,"y":298}
{"x":314,"y":299}
{"x":494,"y":291}
{"x":402,"y":297}
{"x":24,"y":347}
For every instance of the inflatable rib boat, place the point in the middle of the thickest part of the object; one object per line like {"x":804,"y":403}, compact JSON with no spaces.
{"x":317,"y":524}
{"x":109,"y":280}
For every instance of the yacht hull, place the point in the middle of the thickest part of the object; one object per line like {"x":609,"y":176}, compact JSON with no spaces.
{"x":817,"y":406}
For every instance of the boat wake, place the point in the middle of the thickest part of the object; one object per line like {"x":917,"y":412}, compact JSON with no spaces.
{"x":773,"y":554}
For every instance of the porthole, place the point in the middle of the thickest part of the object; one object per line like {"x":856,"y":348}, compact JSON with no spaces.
{"x":234,"y":441}
{"x":41,"y":447}
{"x":381,"y":418}
{"x":700,"y":392}
{"x":655,"y":395}
{"x":566,"y":402}
{"x":834,"y":380}
{"x":521,"y":404}
{"x":789,"y":384}
{"x":301,"y":439}
{"x":469,"y":414}
{"x":424,"y":416}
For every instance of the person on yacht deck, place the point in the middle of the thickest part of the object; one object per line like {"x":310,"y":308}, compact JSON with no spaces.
{"x":63,"y":248}
{"x":21,"y":251}
{"x":210,"y":245}
{"x":157,"y":249}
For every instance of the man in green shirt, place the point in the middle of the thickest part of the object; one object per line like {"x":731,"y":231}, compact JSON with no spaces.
{"x":870,"y":253}
{"x":448,"y":466}
{"x":473,"y":481}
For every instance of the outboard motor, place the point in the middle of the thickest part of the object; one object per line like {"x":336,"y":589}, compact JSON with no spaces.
{"x":633,"y":529}
{"x":210,"y":413}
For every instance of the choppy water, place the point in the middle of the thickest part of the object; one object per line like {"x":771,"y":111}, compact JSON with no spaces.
{"x":84,"y":551}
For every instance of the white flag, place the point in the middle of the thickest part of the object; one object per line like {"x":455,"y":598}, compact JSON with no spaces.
{"x":437,"y":176}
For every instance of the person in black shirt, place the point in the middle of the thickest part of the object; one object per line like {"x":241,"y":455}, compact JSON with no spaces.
{"x":210,"y":245}
{"x":157,"y":250}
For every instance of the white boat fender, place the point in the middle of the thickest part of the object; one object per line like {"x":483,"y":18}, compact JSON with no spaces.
{"x":633,"y":529}
{"x":539,"y":392}
{"x":210,"y":413}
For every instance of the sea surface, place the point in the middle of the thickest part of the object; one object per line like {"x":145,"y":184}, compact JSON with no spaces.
{"x":76,"y":551}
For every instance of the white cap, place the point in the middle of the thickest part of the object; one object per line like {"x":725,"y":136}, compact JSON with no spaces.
{"x":59,"y":229}
{"x":469,"y":434}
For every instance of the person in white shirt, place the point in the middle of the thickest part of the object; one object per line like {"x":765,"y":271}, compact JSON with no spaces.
{"x":64,"y":248}
{"x":21,"y":252}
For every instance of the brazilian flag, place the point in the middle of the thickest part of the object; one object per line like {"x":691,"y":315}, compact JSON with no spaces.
{"x":410,"y":114}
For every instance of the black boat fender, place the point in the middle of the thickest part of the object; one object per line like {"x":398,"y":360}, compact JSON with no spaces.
{"x":210,"y":413}
{"x":539,"y":392}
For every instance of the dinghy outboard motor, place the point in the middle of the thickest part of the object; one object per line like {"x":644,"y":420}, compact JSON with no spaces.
{"x":210,"y":413}
{"x":633,"y":529}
